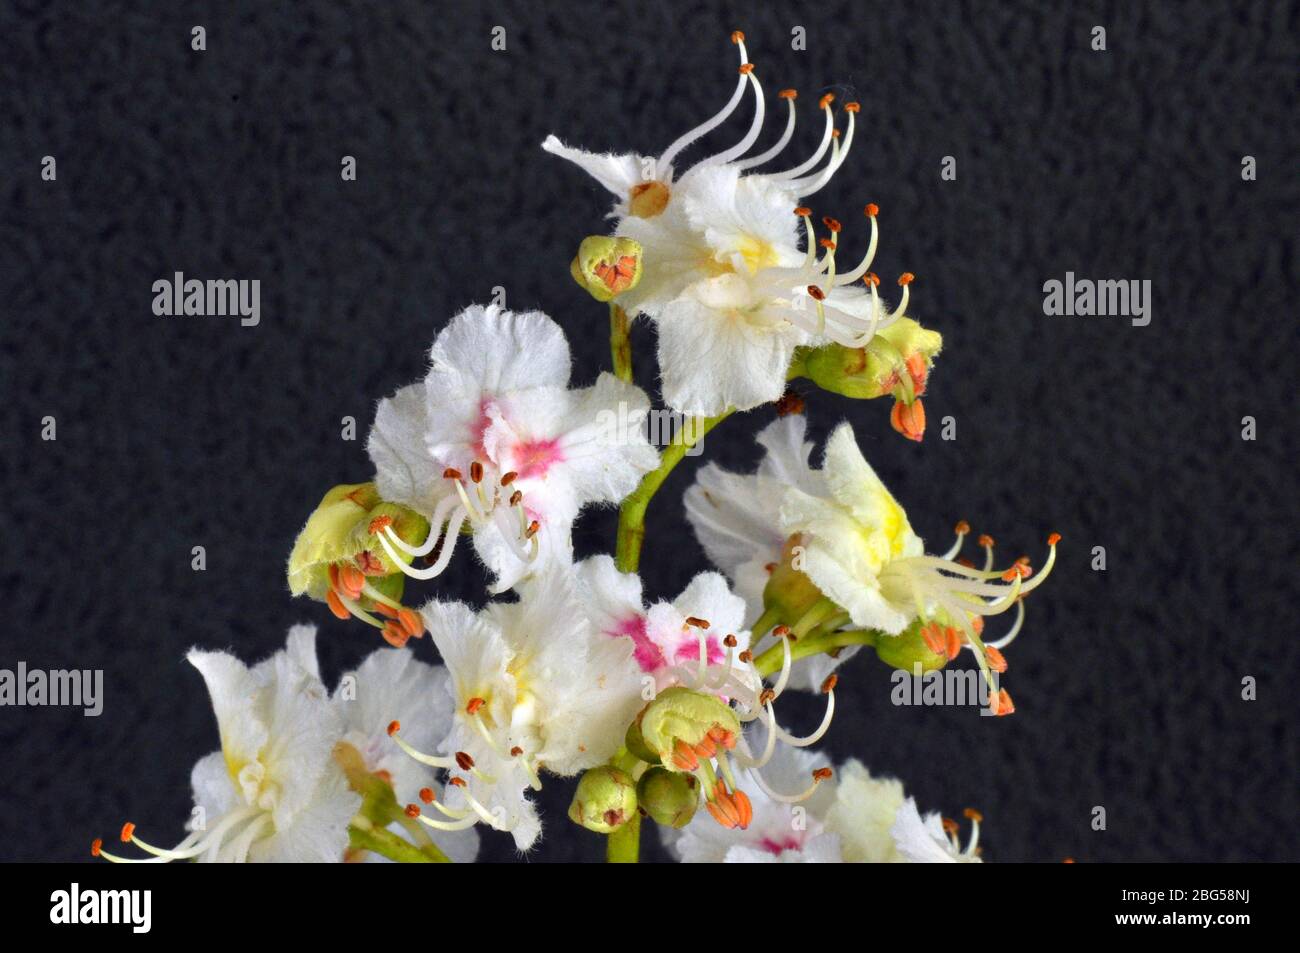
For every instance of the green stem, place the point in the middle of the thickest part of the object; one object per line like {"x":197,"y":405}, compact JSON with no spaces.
{"x":365,"y":836}
{"x":631,"y":515}
{"x":624,"y":845}
{"x":620,"y":342}
{"x":770,"y":661}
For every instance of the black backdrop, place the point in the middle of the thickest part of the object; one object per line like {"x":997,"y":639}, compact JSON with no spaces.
{"x":175,"y":432}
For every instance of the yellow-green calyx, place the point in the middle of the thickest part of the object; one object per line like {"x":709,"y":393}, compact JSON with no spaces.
{"x":896,"y":362}
{"x":789,"y":593}
{"x":605,"y":799}
{"x":682,"y":726}
{"x":606,"y":266}
{"x":912,"y":647}
{"x":668,"y":797}
{"x":338,"y":559}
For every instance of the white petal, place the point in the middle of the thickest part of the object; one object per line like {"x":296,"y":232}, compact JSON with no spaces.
{"x":604,"y":446}
{"x":618,"y":173}
{"x":713,"y":358}
{"x":920,"y":841}
{"x":863,"y":814}
{"x":404,"y":472}
{"x":319,"y":832}
{"x":492,"y":351}
{"x":235,"y":694}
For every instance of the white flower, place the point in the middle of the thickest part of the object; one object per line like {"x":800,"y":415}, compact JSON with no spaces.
{"x":534,"y":687}
{"x":392,"y":684}
{"x":857,"y":547}
{"x":931,"y":839}
{"x":724,"y":277}
{"x":860,"y":550}
{"x":274,"y":792}
{"x":494,"y":437}
{"x":667,"y":634}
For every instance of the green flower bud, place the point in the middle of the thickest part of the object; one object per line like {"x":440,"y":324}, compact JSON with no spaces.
{"x":605,"y":799}
{"x":606,"y":266}
{"x":635,"y":742}
{"x":910,"y":648}
{"x":896,"y":361}
{"x":669,"y":798}
{"x":681,"y":726}
{"x":338,"y":533}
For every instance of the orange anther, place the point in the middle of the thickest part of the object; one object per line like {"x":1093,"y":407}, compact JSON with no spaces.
{"x":451,"y":473}
{"x":730,"y":641}
{"x":949,"y":826}
{"x":395,"y":635}
{"x":822,"y":774}
{"x":1017,"y":569}
{"x":394,"y":727}
{"x":464,"y":761}
{"x":474,"y":704}
{"x":906,"y":278}
{"x":746,"y":69}
{"x":426,"y":795}
{"x":516,"y":751}
{"x":746,"y":656}
{"x":723,"y":737}
{"x":997,"y":661}
{"x":743,"y":807}
{"x":828,"y":685}
{"x":705,"y":747}
{"x":872,"y":210}
{"x":788,"y":94}
{"x":962,"y":528}
{"x":832,"y":224}
{"x":737,"y":37}
{"x":412,"y":810}
{"x":515,"y":497}
{"x":986,"y":540}
{"x":973,"y":815}
{"x":952,"y":642}
{"x":825,"y":100}
{"x":533,"y":527}
{"x":385,"y":776}
{"x":918,"y":371}
{"x":128,"y":831}
{"x":909,"y":419}
{"x":336,"y":605}
{"x":509,"y":478}
{"x":826,"y":243}
{"x":95,"y":847}
{"x":411,"y":622}
{"x":781,"y":631}
{"x":697,"y":622}
{"x":767,"y":696}
{"x":351,"y":581}
{"x":803,"y":210}
{"x":816,"y":293}
{"x":934,"y":639}
{"x":1053,"y":539}
{"x":379,"y":524}
{"x":852,"y":107}
{"x":456,"y":782}
{"x":683,"y":757}
{"x":871,"y":278}
{"x":385,"y":610}
{"x":1005,"y":705}
{"x":476,"y":472}
{"x":835,"y":133}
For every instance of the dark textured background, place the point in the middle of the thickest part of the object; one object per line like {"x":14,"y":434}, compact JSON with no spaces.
{"x":174,"y":432}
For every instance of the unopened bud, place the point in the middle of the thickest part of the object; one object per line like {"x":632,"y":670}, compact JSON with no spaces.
{"x":605,"y":799}
{"x":606,"y":266}
{"x":668,"y":797}
{"x":911,"y":648}
{"x":677,"y":723}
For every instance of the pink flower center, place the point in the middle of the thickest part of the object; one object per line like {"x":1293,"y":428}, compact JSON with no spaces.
{"x":689,"y":650}
{"x":648,"y":655}
{"x":533,"y":458}
{"x":777,"y":847}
